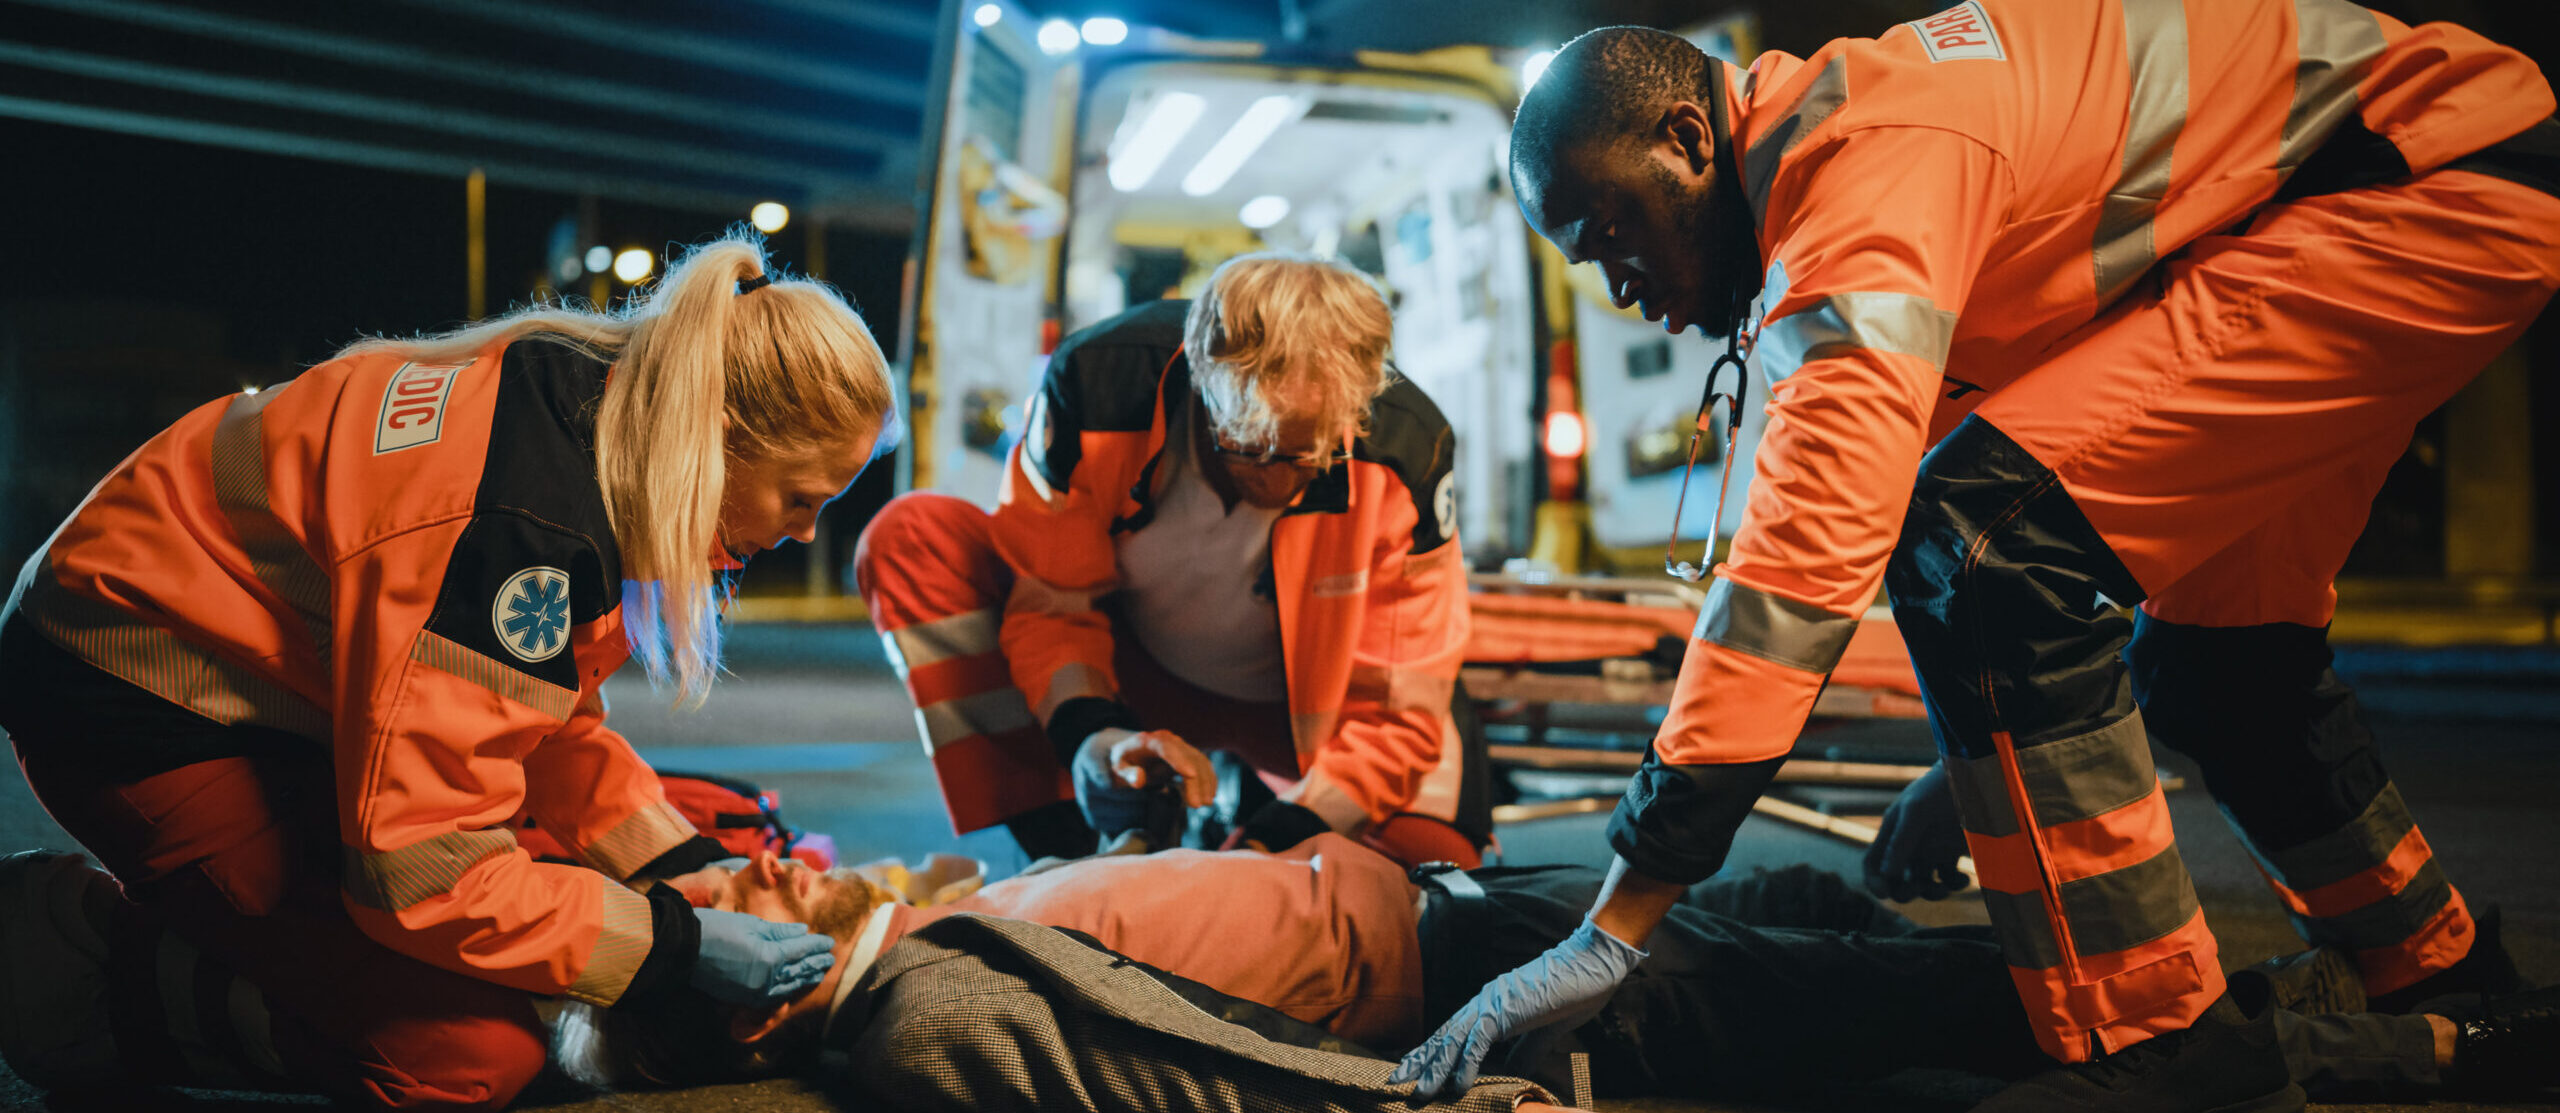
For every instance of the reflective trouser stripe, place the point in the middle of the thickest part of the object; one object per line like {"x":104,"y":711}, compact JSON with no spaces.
{"x":2373,"y":887}
{"x":989,"y":752}
{"x":919,"y":644}
{"x":2086,"y":890}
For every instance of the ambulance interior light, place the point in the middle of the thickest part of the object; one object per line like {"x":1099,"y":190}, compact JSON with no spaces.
{"x":1264,"y":117}
{"x":1137,"y":154}
{"x":1057,"y":36}
{"x":1102,"y":30}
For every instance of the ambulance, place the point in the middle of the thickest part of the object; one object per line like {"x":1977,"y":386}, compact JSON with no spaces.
{"x":1074,"y":175}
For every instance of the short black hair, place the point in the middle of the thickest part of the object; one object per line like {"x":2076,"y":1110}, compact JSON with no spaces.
{"x":1608,"y":86}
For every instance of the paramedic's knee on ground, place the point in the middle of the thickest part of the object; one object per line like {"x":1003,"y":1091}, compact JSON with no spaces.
{"x":1226,"y":522}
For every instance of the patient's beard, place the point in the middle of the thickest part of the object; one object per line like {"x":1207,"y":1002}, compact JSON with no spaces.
{"x":840,"y":906}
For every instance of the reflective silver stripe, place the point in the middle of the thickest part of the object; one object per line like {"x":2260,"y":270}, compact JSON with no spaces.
{"x":396,"y":879}
{"x":621,"y":946}
{"x":961,"y":635}
{"x":638,"y":840}
{"x":2025,"y":933}
{"x":275,"y":556}
{"x":1843,"y":323}
{"x":1039,"y":597}
{"x":1070,"y":681}
{"x":1400,"y":689}
{"x":1311,"y":728}
{"x":2110,"y":912}
{"x":161,"y":662}
{"x":1773,"y":628}
{"x":444,"y":654}
{"x":2069,"y":780}
{"x":986,"y":713}
{"x":2384,"y":922}
{"x":2334,"y":42}
{"x":2363,"y":843}
{"x":1824,"y":96}
{"x":2155,"y":43}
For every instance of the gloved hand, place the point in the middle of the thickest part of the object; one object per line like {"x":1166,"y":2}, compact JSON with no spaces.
{"x":1565,"y":986}
{"x":1918,"y":842}
{"x":749,"y":960}
{"x":1115,"y":769}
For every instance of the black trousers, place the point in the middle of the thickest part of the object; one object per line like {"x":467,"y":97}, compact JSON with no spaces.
{"x":1785,"y":981}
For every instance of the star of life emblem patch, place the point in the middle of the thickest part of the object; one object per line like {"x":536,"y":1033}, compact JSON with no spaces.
{"x":531,"y":613}
{"x":1444,"y":504}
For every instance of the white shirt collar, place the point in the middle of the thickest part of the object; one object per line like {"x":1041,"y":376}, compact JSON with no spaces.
{"x":866,"y":950}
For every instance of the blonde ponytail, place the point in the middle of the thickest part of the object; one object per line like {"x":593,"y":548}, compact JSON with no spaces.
{"x":702,"y":373}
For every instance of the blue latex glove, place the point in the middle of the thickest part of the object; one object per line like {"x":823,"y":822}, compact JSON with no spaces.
{"x":1566,"y":985}
{"x":1117,"y":770}
{"x":750,"y":960}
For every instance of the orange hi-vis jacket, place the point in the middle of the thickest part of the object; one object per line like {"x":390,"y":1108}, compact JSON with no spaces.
{"x":1938,"y":205}
{"x":411,"y":567}
{"x":1366,"y":568}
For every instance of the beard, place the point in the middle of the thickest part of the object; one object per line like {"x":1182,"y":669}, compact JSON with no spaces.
{"x":839,"y":907}
{"x":1724,"y":278}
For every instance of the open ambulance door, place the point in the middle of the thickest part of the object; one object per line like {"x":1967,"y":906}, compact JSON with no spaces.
{"x":980,"y":297}
{"x":1163,"y":156}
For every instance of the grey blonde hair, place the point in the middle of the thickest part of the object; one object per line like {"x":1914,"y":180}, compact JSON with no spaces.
{"x":701,"y":374}
{"x":1278,"y":317}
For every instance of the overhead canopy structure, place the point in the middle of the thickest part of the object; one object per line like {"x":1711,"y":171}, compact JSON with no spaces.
{"x":818,"y":104}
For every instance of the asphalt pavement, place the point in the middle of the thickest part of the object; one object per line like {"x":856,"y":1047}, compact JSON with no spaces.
{"x":813,"y":711}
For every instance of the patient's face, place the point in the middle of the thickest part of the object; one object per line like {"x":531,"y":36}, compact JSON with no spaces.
{"x":832,"y":902}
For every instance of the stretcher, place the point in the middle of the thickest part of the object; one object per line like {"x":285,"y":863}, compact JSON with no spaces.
{"x":1610,"y":649}
{"x":1609,"y":642}
{"x":1613,"y":646}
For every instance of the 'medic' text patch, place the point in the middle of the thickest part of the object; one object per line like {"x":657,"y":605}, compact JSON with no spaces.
{"x":413,"y":407}
{"x":1959,"y":33}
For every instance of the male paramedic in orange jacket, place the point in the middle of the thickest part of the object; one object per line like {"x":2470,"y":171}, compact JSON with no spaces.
{"x":2166,"y":285}
{"x":1229,"y":527}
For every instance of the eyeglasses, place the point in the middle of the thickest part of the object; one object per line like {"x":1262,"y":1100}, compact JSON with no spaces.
{"x":1270,"y":457}
{"x":1732,"y":357}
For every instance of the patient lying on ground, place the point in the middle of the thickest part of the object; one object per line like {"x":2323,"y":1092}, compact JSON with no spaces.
{"x":1334,"y":959}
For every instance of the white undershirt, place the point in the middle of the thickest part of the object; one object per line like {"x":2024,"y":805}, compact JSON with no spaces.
{"x":1187,"y":581}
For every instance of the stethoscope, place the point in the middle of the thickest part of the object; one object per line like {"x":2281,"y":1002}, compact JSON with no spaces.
{"x":1737,"y":350}
{"x":1735,"y":353}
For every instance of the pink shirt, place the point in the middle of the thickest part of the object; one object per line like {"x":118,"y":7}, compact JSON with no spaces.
{"x":1325,"y":932}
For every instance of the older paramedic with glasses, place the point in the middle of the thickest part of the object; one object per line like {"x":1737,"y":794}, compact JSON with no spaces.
{"x":1229,"y":527}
